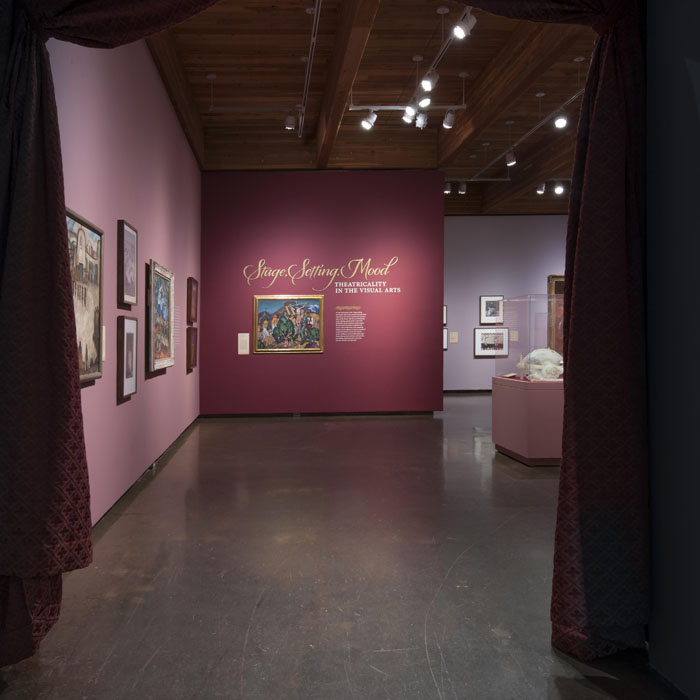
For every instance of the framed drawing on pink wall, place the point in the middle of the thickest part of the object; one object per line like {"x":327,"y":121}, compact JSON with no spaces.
{"x":85,"y":250}
{"x":192,"y":299}
{"x":288,"y":324}
{"x":127,"y":263}
{"x":161,"y":317}
{"x":490,"y":342}
{"x":127,"y":343}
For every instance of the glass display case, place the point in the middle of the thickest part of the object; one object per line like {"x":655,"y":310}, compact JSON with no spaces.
{"x":535,"y":324}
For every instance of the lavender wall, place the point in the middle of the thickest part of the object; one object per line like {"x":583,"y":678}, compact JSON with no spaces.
{"x":330,"y":218}
{"x":124,"y":156}
{"x":509,"y":255}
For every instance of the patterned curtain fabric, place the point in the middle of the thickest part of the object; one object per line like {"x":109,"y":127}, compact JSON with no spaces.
{"x":600,"y":592}
{"x":44,"y":493}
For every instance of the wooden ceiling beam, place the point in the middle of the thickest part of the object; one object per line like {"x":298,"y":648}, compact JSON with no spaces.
{"x":172,"y":73}
{"x":355,"y":25}
{"x":530,"y":50}
{"x":551,"y":158}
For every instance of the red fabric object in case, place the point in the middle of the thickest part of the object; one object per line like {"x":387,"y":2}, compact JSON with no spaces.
{"x":600,"y":592}
{"x":45,"y":524}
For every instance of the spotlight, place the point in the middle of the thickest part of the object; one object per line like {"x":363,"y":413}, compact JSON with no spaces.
{"x":424,"y":101}
{"x":464,"y":28}
{"x":408,"y":116}
{"x":411,"y":110}
{"x":541,"y":189}
{"x":462,"y":188}
{"x":510,"y":158}
{"x":430,"y":80}
{"x":448,"y":188}
{"x":449,"y":121}
{"x":559,"y":189}
{"x":290,"y":122}
{"x":561,"y":121}
{"x":368,"y":121}
{"x":421,"y":120}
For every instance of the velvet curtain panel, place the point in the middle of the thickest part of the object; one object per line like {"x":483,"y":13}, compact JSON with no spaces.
{"x":600,"y":592}
{"x":45,"y":520}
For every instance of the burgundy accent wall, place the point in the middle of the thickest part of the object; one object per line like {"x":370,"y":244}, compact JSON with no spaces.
{"x":125,"y":156}
{"x":329,"y":218}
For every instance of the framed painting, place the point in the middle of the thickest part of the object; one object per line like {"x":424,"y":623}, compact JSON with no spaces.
{"x":288,"y":323}
{"x":490,"y":342}
{"x":444,"y":314}
{"x":192,"y":299}
{"x":444,"y":338}
{"x":191,"y":348}
{"x":490,"y":309}
{"x":161,"y":308}
{"x":127,"y":263}
{"x":127,"y":343}
{"x":85,"y":251}
{"x":555,"y":313}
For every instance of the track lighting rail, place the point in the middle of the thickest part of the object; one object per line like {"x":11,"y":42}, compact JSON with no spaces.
{"x":535,"y":128}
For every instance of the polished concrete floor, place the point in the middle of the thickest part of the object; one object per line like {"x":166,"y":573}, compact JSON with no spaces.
{"x":348,"y":558}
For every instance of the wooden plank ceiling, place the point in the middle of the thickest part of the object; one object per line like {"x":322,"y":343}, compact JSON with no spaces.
{"x":513,"y":76}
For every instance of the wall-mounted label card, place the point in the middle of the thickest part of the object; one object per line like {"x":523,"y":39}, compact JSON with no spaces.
{"x":244,"y":343}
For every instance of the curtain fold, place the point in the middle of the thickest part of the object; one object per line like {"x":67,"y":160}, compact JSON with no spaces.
{"x":600,"y":589}
{"x":45,"y":524}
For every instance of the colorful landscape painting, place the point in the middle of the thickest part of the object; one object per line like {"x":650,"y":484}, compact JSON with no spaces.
{"x":161,"y":317}
{"x":285,"y":323}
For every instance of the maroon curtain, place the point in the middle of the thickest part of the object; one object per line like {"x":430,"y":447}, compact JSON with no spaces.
{"x":44,"y":491}
{"x":600,"y":592}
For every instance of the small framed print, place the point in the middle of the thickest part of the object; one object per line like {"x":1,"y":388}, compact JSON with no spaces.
{"x":444,"y":315}
{"x":127,"y":263}
{"x":127,"y":342}
{"x":192,"y":300}
{"x":191,"y":348}
{"x":161,"y":317}
{"x":490,"y":309}
{"x":490,"y":342}
{"x":85,"y":250}
{"x":444,"y":338}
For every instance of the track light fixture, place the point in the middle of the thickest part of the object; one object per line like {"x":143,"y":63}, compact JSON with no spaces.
{"x":368,"y":121}
{"x":421,"y":120}
{"x":290,"y":122}
{"x":430,"y":80}
{"x":462,"y":189}
{"x":559,"y":189}
{"x":561,"y":121}
{"x":510,"y":158}
{"x":424,"y":101}
{"x":448,"y":188}
{"x":411,"y":110}
{"x":408,"y":115}
{"x":464,"y":28}
{"x":449,"y":121}
{"x":541,"y":188}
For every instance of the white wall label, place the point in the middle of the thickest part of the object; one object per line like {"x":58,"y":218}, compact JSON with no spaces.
{"x":244,"y":343}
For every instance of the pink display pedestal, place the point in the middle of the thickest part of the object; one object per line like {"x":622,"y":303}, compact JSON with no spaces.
{"x":527,"y":420}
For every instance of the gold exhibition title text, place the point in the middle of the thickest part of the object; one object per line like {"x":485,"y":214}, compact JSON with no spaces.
{"x":359,"y":267}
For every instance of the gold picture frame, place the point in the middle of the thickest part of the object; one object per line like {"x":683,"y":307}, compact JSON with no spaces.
{"x":288,"y":323}
{"x":555,"y":313}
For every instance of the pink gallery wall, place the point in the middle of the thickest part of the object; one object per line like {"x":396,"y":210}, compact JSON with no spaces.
{"x":508,"y":255}
{"x":125,"y":157}
{"x":329,"y":219}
